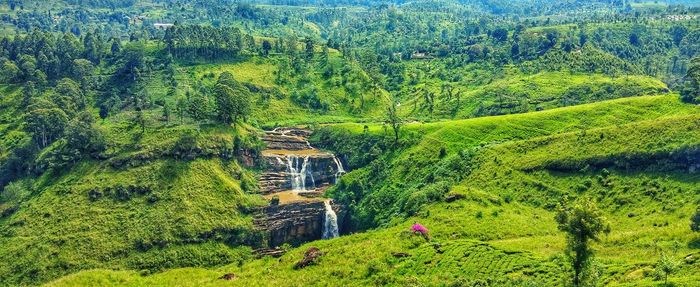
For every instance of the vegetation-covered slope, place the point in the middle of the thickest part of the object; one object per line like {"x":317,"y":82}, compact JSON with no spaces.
{"x":129,"y":137}
{"x":145,"y":210}
{"x":503,"y":231}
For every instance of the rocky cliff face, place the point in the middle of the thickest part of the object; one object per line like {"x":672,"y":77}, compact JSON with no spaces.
{"x":292,"y":163}
{"x":296,"y":175}
{"x":320,"y":168}
{"x":295,"y":223}
{"x":287,"y":139}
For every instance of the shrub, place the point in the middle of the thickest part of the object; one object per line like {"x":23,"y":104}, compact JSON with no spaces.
{"x":695,"y":221}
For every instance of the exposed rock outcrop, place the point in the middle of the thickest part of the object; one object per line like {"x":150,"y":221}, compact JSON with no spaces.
{"x":311,"y":257}
{"x":228,"y":276}
{"x":294,"y":180}
{"x":295,"y":223}
{"x":287,"y":139}
{"x":291,"y":163}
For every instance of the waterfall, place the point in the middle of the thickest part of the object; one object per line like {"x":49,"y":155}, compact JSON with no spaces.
{"x":340,"y":171}
{"x":330,"y":224}
{"x":298,"y":170}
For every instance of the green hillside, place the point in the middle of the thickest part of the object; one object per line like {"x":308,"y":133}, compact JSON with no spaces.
{"x":140,"y":210}
{"x":215,"y":142}
{"x":503,"y":231}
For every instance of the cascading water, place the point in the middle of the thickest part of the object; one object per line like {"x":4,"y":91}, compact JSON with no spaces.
{"x":298,"y":170}
{"x":330,"y":223}
{"x":340,"y":171}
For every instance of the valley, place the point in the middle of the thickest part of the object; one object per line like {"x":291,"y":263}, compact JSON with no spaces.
{"x":349,"y":143}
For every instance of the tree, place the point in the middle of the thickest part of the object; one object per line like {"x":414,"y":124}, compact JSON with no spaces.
{"x":232,"y":99}
{"x":392,"y":117}
{"x":116,"y":46}
{"x":678,"y":33}
{"x":634,"y":39}
{"x":83,"y":135}
{"x":83,"y":71}
{"x":29,"y":91}
{"x":665,"y":267}
{"x":500,"y":34}
{"x":582,"y":223}
{"x":45,"y":121}
{"x":69,"y":96}
{"x":695,"y":221}
{"x":266,"y":47}
{"x":9,"y":73}
{"x":104,"y":111}
{"x":140,"y":119}
{"x":181,"y":107}
{"x":198,"y":107}
{"x":515,"y":51}
{"x":690,"y":92}
{"x":166,"y":113}
{"x":309,"y":48}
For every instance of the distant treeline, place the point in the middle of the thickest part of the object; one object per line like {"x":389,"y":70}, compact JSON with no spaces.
{"x":205,"y":41}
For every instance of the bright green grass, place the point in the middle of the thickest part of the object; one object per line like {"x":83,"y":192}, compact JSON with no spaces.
{"x":174,"y":212}
{"x":526,"y":93}
{"x":61,"y":229}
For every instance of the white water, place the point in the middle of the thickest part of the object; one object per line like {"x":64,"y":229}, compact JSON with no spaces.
{"x":330,"y":224}
{"x":340,"y":171}
{"x":298,"y":170}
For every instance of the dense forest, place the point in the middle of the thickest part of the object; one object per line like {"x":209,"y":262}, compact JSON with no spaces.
{"x":543,"y":143}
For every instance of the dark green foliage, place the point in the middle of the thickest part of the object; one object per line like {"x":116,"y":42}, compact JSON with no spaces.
{"x":135,"y":191}
{"x":266,"y":47}
{"x":232,"y":99}
{"x":45,"y":121}
{"x":198,"y":107}
{"x":84,"y":135}
{"x":82,"y":139}
{"x":690,"y":91}
{"x":197,"y":41}
{"x":695,"y":221}
{"x":69,"y":97}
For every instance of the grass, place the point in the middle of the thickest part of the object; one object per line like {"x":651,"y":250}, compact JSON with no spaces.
{"x":277,"y":108}
{"x":519,"y":93}
{"x":142,"y":209}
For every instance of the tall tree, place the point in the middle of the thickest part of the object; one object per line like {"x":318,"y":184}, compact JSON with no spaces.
{"x":690,"y":91}
{"x":266,"y":47}
{"x":198,"y":107}
{"x":83,"y":135}
{"x":232,"y":99}
{"x":309,"y":48}
{"x":393,"y":119}
{"x":69,"y":96}
{"x":46,"y":121}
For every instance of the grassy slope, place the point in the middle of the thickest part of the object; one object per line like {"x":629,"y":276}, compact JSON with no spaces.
{"x":488,"y":236}
{"x":520,"y":93}
{"x":281,"y":111}
{"x":144,"y":208}
{"x":169,"y":212}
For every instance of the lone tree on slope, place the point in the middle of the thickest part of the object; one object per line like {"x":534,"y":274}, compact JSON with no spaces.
{"x":582,"y":223}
